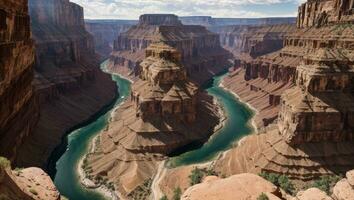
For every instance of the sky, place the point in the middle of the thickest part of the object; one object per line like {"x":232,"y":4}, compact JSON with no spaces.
{"x":132,"y":9}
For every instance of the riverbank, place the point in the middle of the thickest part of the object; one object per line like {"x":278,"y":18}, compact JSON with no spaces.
{"x":84,"y":179}
{"x":89,"y":184}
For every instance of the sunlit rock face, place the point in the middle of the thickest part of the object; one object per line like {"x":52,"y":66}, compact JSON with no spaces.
{"x":68,"y":80}
{"x":325,"y":12}
{"x":25,"y":184}
{"x":159,"y":118}
{"x":313,"y":135}
{"x":170,"y":94}
{"x":18,"y":107}
{"x":200,"y":49}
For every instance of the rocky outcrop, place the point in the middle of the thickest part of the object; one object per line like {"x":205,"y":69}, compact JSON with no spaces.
{"x":344,"y":189}
{"x":257,"y":78}
{"x":201,"y":51}
{"x":68,"y":79}
{"x":105,"y":32}
{"x":311,"y":194}
{"x":314,"y":133}
{"x":159,"y":118}
{"x":325,"y":12}
{"x":26,"y":184}
{"x":19,"y":107}
{"x":237,"y":187}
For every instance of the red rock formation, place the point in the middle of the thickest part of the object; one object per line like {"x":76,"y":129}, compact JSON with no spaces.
{"x":68,"y":80}
{"x":160,"y":117}
{"x":19,"y":107}
{"x":25,"y":184}
{"x":260,"y":81}
{"x":314,"y":134}
{"x":200,"y":48}
{"x":325,"y":12}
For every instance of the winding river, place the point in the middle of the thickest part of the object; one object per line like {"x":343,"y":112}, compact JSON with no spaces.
{"x":235,"y":127}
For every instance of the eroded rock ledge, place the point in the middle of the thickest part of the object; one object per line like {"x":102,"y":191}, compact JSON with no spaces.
{"x":201,"y":52}
{"x":314,"y":133}
{"x":165,"y":111}
{"x":25,"y":184}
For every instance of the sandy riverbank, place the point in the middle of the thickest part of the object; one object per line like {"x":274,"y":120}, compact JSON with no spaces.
{"x":89,"y":184}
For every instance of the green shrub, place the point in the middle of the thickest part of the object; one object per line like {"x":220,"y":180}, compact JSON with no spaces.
{"x":263,"y":197}
{"x":325,"y":183}
{"x":281,"y":181}
{"x":164,"y":197}
{"x":196,"y":176}
{"x":33,"y":191}
{"x":177,"y":194}
{"x":4,"y":163}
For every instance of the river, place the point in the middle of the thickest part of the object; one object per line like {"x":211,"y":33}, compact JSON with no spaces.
{"x":236,"y":126}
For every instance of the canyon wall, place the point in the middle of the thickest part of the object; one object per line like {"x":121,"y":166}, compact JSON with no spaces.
{"x":261,"y":72}
{"x":201,"y":51}
{"x":209,"y":21}
{"x":69,"y":83}
{"x":325,"y":12}
{"x":253,"y":40}
{"x":165,"y":112}
{"x":314,"y":133}
{"x":105,"y":32}
{"x":19,"y":107}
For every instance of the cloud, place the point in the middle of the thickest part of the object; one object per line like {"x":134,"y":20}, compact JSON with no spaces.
{"x":132,"y":9}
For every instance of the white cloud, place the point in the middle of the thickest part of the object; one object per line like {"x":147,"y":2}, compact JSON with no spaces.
{"x":132,"y":9}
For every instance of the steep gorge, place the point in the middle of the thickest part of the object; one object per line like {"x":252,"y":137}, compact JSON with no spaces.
{"x":69,"y":84}
{"x":314,"y":133}
{"x":19,"y":107}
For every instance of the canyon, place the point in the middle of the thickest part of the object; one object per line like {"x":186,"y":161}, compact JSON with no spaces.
{"x":297,"y":75}
{"x":105,"y":32}
{"x":200,"y":48}
{"x":315,"y":114}
{"x":19,"y":105}
{"x":159,"y":118}
{"x":68,"y":80}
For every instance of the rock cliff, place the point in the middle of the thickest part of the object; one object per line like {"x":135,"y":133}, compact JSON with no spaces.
{"x":69,"y":83}
{"x":325,"y":12}
{"x":25,"y":184}
{"x":201,"y":51}
{"x":257,"y":77}
{"x":314,"y":133}
{"x":159,"y":118}
{"x":211,"y":22}
{"x":105,"y":32}
{"x":19,"y":107}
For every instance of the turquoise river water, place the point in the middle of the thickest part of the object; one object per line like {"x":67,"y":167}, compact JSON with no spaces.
{"x":235,"y":127}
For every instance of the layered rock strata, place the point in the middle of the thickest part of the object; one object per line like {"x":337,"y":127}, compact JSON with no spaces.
{"x":19,"y":107}
{"x":166,"y":111}
{"x":211,"y":22}
{"x":25,"y":184}
{"x":105,"y":32}
{"x":70,"y":85}
{"x":314,"y":133}
{"x":257,"y":77}
{"x":201,"y":51}
{"x":325,"y":12}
